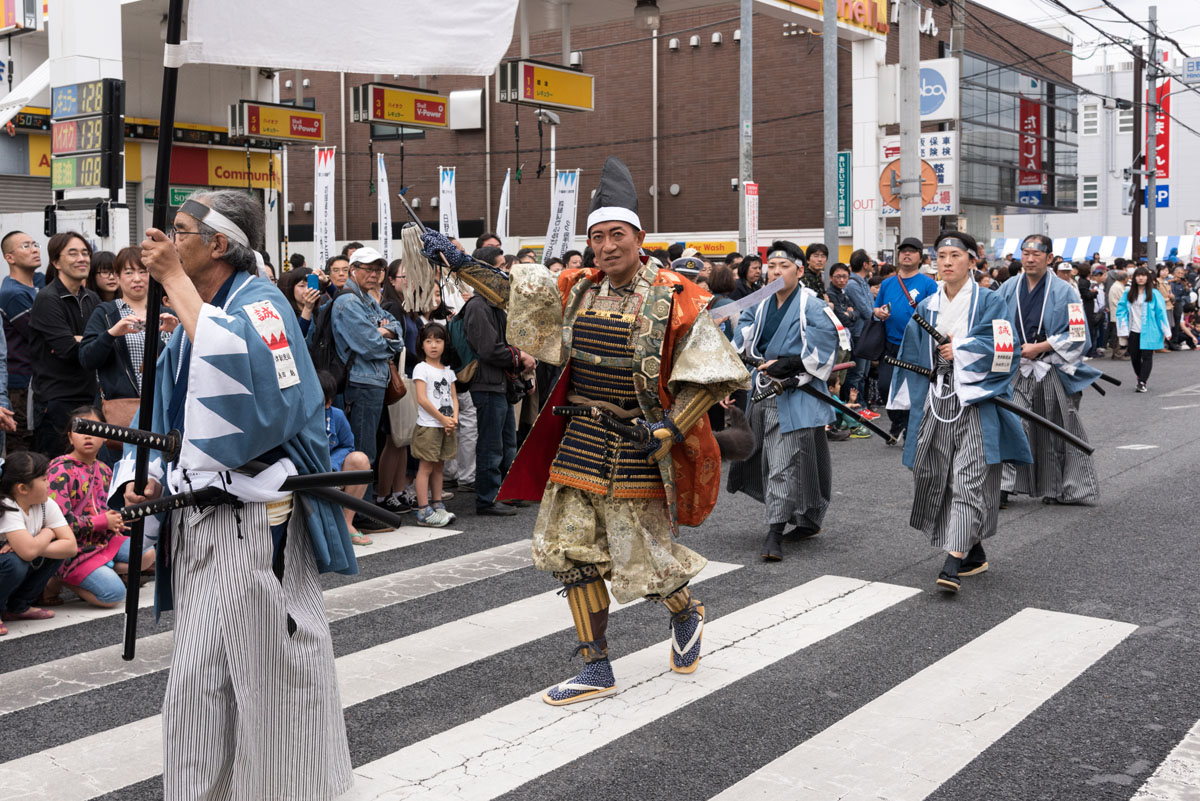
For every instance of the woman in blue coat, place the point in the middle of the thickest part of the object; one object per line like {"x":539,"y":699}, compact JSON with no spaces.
{"x":1142,"y":315}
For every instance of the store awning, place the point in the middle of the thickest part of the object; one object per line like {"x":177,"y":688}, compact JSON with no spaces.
{"x":23,"y":94}
{"x":1081,"y":248}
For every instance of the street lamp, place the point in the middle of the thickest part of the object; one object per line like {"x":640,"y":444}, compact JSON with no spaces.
{"x":646,"y":16}
{"x":553,"y":120}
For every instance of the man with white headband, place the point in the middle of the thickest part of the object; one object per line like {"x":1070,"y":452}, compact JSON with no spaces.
{"x":251,"y":708}
{"x":1052,"y":335}
{"x":958,"y":439}
{"x":791,"y":332}
{"x":642,"y":350}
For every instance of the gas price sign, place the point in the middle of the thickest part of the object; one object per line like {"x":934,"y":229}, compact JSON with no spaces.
{"x":84,"y":135}
{"x":87,"y":123}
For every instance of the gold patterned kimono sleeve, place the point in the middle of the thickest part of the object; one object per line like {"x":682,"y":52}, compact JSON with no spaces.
{"x":706,"y":357}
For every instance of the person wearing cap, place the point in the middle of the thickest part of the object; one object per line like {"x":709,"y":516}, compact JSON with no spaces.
{"x":367,"y":339}
{"x":958,"y":439}
{"x":642,"y":350}
{"x":252,"y":706}
{"x":1052,"y":339}
{"x":792,"y":332}
{"x":894,"y":304}
{"x":1065,"y":271}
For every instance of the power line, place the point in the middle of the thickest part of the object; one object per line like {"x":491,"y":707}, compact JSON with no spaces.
{"x":1132,"y":21}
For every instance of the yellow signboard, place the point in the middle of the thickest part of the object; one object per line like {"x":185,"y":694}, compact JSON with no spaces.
{"x":393,"y":105}
{"x":533,"y":83}
{"x":713,"y":248}
{"x":868,"y":16}
{"x":39,"y":158}
{"x":281,"y":123}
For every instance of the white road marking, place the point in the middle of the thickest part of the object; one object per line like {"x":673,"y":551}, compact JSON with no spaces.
{"x":1192,"y":390}
{"x":1178,"y":777}
{"x":501,"y":751}
{"x":1184,"y":406}
{"x":905,"y":744}
{"x":85,"y":768}
{"x":1136,"y":447}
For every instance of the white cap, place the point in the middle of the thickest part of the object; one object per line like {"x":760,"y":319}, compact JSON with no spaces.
{"x":365,"y":256}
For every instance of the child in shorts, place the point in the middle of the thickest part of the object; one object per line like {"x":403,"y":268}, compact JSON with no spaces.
{"x":434,"y":439}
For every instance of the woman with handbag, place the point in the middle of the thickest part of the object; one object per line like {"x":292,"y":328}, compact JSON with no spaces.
{"x":393,"y":487}
{"x":114,"y":340}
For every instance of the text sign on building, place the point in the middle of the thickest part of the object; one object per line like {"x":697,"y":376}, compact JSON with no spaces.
{"x":276,"y":122}
{"x":1191,"y":70}
{"x":939,"y":89}
{"x":1030,"y":176}
{"x":843,"y":193}
{"x":938,"y":149}
{"x":395,"y":105}
{"x":533,"y":83}
{"x":1162,"y":130}
{"x":857,"y":16}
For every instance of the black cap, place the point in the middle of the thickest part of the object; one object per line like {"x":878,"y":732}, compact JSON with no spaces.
{"x":912,"y":242}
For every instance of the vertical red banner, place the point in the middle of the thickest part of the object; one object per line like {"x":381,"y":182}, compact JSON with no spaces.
{"x":1162,"y":129}
{"x":1030,"y":156}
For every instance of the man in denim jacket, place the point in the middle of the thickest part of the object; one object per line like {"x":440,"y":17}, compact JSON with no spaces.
{"x":362,"y":330}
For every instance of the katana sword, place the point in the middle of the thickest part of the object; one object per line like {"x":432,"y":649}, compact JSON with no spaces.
{"x":723,"y":313}
{"x":793,"y":382}
{"x":320,"y":485}
{"x":1003,"y":403}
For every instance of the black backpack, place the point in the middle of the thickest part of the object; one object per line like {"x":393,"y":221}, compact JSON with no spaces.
{"x":323,"y":349}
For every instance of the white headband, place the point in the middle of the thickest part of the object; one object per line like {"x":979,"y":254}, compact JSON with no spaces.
{"x":614,"y":214}
{"x":216,"y":221}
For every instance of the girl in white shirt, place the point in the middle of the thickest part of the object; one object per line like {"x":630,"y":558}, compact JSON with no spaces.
{"x":34,"y":537}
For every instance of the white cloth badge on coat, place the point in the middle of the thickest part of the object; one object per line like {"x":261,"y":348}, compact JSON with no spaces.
{"x":1002,"y":354}
{"x":1078,"y":322}
{"x":269,"y":325}
{"x":843,"y":334}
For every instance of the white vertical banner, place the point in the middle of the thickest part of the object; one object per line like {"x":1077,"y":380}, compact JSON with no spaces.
{"x":323,"y":205}
{"x":561,"y":230}
{"x":385,"y":210}
{"x":751,"y":217}
{"x":502,"y":213}
{"x":448,"y":202}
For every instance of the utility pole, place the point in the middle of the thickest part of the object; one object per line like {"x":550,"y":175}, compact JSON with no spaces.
{"x":1139,"y":145}
{"x":1152,"y":144}
{"x":829,"y":72}
{"x":745,"y":116}
{"x":910,"y":121}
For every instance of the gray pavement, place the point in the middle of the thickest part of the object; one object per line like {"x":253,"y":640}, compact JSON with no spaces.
{"x":1130,"y":559}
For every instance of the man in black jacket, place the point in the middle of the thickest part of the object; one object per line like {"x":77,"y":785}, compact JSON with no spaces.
{"x":56,"y":323}
{"x":499,"y":362}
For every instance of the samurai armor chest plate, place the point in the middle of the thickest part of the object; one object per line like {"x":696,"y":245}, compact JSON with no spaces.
{"x":590,"y":457}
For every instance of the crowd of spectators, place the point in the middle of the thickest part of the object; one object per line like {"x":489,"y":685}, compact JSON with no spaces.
{"x":433,"y":403}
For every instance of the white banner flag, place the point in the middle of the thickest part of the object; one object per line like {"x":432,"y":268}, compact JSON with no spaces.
{"x":562,"y":214}
{"x":751,"y":218}
{"x":385,"y":211}
{"x":502,"y":214}
{"x":448,"y":202}
{"x":323,"y":205}
{"x":315,"y":35}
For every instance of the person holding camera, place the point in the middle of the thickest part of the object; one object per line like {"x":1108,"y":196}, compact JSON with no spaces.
{"x":114,"y":340}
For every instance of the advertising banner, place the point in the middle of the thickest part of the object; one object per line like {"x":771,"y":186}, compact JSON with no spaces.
{"x":385,"y":211}
{"x":1162,"y":130}
{"x":562,"y":214}
{"x":448,"y":202}
{"x":751,"y":217}
{"x":938,"y":150}
{"x":1029,"y":177}
{"x":502,"y":212}
{"x":323,"y":204}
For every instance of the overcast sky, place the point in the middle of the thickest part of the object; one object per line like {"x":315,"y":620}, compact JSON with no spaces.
{"x":1179,"y":19}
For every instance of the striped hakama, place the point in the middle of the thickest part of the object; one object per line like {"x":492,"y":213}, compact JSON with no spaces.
{"x":957,"y":493}
{"x":252,"y":712}
{"x":1059,"y":470}
{"x":790,"y":473}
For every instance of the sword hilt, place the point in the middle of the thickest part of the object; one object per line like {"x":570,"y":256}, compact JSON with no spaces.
{"x":937,"y":335}
{"x":168,"y":444}
{"x":912,"y":368}
{"x":204,"y":497}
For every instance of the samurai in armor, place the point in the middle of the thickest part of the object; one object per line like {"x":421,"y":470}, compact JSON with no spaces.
{"x":641,"y":351}
{"x":958,"y":439}
{"x":1052,"y":333}
{"x":792,"y":331}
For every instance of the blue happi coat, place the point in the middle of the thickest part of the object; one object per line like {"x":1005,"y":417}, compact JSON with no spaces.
{"x":1066,"y":358}
{"x":975,"y":382}
{"x":250,"y":387}
{"x":805,"y":331}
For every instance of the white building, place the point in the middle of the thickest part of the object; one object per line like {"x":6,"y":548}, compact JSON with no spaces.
{"x":1105,"y":150}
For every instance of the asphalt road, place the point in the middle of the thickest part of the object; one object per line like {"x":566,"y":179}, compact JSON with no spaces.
{"x":880,"y":688}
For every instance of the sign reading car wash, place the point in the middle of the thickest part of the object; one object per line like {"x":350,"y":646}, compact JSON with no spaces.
{"x":532,"y":83}
{"x":279,"y":123}
{"x":396,"y":105}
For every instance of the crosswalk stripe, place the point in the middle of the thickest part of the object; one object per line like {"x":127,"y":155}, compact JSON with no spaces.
{"x":71,"y":675}
{"x":909,"y":741}
{"x":506,"y":748}
{"x":84,"y":768}
{"x":1178,"y":777}
{"x":69,"y":614}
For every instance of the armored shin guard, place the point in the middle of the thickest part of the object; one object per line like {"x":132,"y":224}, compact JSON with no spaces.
{"x":687,"y":629}
{"x":588,"y":599}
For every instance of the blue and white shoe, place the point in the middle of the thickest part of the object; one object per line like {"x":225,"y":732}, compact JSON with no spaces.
{"x":441,"y":507}
{"x":594,"y":681}
{"x":687,"y":629}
